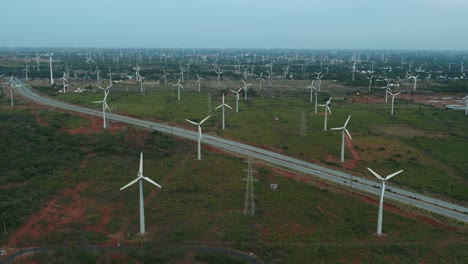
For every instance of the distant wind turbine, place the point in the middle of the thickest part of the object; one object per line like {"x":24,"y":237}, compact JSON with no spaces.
{"x":199,"y":82}
{"x":344,"y":131}
{"x":237,"y":98}
{"x":327,"y":109}
{"x":64,"y":82}
{"x":393,"y":99}
{"x":245,"y":87}
{"x":199,"y":133}
{"x":178,"y":89}
{"x":223,"y":105}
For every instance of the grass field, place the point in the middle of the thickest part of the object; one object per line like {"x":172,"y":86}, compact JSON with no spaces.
{"x":426,"y":142}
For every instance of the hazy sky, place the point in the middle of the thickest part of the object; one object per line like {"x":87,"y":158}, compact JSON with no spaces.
{"x":379,"y":24}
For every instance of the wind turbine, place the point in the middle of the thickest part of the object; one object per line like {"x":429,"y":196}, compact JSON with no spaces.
{"x":199,"y":133}
{"x":50,"y":66}
{"x":104,"y":104}
{"x":182,"y":73}
{"x":415,"y":78}
{"x":140,"y":179}
{"x":198,"y":82}
{"x":97,"y":71}
{"x":37,"y":58}
{"x":353,"y":70}
{"x":26,"y":70}
{"x":393,"y":99}
{"x":261,"y":79}
{"x":137,"y":72}
{"x":64,"y":81}
{"x":269,"y":77}
{"x":11,"y":90}
{"x":245,"y":87}
{"x":178,"y":89}
{"x":327,"y":109}
{"x":312,"y":88}
{"x":319,"y":79}
{"x":379,"y":221}
{"x":110,"y":76}
{"x":223,"y":105}
{"x":141,"y":84}
{"x":370,"y":81}
{"x":237,"y":98}
{"x":164,"y":76}
{"x":344,"y":130}
{"x":219,"y":72}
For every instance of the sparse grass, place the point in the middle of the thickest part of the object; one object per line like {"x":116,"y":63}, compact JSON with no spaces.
{"x":274,"y":123}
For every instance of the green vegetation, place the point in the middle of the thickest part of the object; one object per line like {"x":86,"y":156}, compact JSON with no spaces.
{"x":273,"y":121}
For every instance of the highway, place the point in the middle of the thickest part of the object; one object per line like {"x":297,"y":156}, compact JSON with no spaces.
{"x":420,"y":201}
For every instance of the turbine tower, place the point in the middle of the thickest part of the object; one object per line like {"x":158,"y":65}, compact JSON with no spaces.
{"x":140,"y":179}
{"x":261,"y":79}
{"x":393,"y":99}
{"x":312,"y":88}
{"x":245,"y":87}
{"x":64,"y":82}
{"x":199,"y":133}
{"x":104,"y":104}
{"x":344,"y":130}
{"x":50,"y":66}
{"x":165,"y":77}
{"x":379,"y":221}
{"x":198,"y":82}
{"x":26,"y":70}
{"x":178,"y":89}
{"x":223,"y":105}
{"x":237,"y":98}
{"x":370,"y":81}
{"x":327,"y":109}
{"x":249,"y":205}
{"x":110,"y":76}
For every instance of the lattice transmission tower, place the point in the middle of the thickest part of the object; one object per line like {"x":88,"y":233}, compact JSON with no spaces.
{"x":249,"y":206}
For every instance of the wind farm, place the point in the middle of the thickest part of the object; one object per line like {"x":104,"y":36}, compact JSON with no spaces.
{"x":76,"y":121}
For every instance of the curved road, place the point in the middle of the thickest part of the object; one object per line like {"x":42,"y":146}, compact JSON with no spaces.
{"x":420,"y":201}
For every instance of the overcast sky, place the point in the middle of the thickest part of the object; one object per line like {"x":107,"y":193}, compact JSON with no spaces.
{"x":313,"y":24}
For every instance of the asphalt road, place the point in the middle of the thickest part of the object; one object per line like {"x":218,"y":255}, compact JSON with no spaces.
{"x":420,"y":201}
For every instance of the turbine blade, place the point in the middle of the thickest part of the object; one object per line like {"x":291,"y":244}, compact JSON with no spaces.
{"x":151,"y":181}
{"x":328,"y":108}
{"x":199,"y":131}
{"x":219,"y":106}
{"x":131,"y":183}
{"x":392,"y":175}
{"x":376,"y":175}
{"x":337,"y":128}
{"x":347,"y":132}
{"x":204,"y":120}
{"x":191,"y":122}
{"x":347,"y":120}
{"x":228,"y":106}
{"x":141,"y":164}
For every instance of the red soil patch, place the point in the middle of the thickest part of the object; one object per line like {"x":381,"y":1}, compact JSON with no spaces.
{"x":348,"y":163}
{"x":95,"y":127}
{"x":85,"y":161}
{"x":12,"y":185}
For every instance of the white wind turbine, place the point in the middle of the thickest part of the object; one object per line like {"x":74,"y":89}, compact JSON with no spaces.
{"x":370,"y":81}
{"x":415,"y":78}
{"x":64,"y":82}
{"x":327,"y":109}
{"x":199,"y":133}
{"x":97,"y":71}
{"x":182,"y":73}
{"x":379,"y":221}
{"x":269,"y":77}
{"x":165,"y":77}
{"x":11,"y":90}
{"x":260,"y":80}
{"x":38,"y":59}
{"x":245,"y":87}
{"x":353,"y":70}
{"x":199,"y":82}
{"x":141,"y":84}
{"x":50,"y":66}
{"x":387,"y":91}
{"x":344,"y":130}
{"x":110,"y":76}
{"x":140,"y":178}
{"x":137,"y":72}
{"x":393,"y":99}
{"x":26,"y":70}
{"x":223,"y":105}
{"x":104,"y":104}
{"x":319,"y":79}
{"x":312,"y":88}
{"x":466,"y":104}
{"x":219,"y":72}
{"x":178,"y":89}
{"x":237,"y":98}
